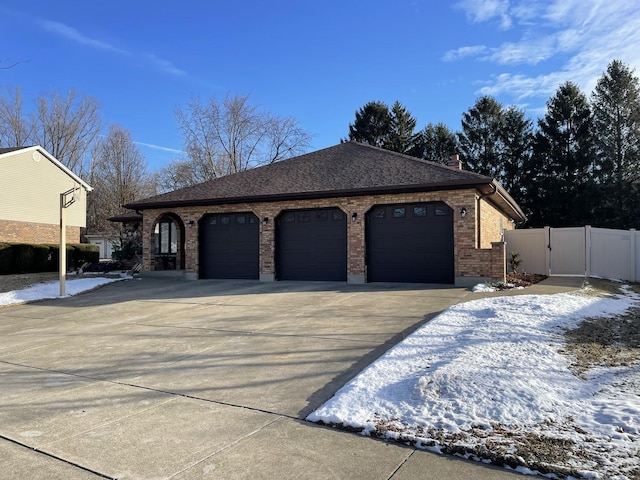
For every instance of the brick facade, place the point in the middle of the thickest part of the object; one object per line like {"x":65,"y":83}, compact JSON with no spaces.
{"x":475,"y":255}
{"x":28,"y":232}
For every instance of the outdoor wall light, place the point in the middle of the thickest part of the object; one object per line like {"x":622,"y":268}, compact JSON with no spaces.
{"x":463,"y":212}
{"x":191,"y":223}
{"x":265,"y":220}
{"x":354,"y":216}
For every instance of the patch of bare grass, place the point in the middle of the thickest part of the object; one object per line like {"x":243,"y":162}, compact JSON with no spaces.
{"x":605,"y":342}
{"x":9,"y":283}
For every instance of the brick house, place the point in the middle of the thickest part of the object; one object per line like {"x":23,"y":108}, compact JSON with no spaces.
{"x":350,"y":212}
{"x":31,"y":182}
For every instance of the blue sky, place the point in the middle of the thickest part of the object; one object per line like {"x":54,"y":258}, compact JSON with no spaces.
{"x":315,"y":61}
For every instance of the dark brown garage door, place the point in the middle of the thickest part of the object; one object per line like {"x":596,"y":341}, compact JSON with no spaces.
{"x":410,"y":243}
{"x":311,"y":245}
{"x":229,"y":246}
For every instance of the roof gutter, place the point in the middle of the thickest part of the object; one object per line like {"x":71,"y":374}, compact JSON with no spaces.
{"x":505,"y":199}
{"x":508,"y":200}
{"x":141,"y":205}
{"x":494,"y":189}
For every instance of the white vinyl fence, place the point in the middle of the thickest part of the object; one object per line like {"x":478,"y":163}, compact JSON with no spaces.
{"x":592,"y":252}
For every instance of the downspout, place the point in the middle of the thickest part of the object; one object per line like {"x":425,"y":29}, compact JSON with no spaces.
{"x":478,"y":205}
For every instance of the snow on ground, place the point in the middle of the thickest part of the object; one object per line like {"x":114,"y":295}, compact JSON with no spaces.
{"x":486,"y":379}
{"x":46,"y":290}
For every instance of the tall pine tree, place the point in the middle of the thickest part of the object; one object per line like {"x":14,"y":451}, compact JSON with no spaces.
{"x":401,"y":133}
{"x":616,"y":118}
{"x":480,"y":136}
{"x":377,"y":125}
{"x":563,"y":162}
{"x":516,"y":143}
{"x":435,"y":142}
{"x":372,"y":124}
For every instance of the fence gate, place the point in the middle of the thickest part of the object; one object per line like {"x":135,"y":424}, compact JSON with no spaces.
{"x":594,"y":252}
{"x":567,"y":251}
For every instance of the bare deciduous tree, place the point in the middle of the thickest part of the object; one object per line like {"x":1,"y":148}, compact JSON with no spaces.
{"x":66,"y":127}
{"x":118,"y":175}
{"x":15,"y":130}
{"x":229,"y":136}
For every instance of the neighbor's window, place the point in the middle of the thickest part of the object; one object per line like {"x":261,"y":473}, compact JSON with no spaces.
{"x":165,"y":237}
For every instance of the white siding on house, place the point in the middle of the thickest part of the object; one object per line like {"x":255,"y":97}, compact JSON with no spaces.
{"x":105,"y":245}
{"x":30,"y":188}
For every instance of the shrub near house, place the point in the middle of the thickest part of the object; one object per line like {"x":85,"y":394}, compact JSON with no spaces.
{"x":27,"y":258}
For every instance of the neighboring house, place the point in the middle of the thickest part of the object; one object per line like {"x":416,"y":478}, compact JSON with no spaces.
{"x":31,"y":182}
{"x":109,"y":244}
{"x":104,"y":243}
{"x":351,"y":213}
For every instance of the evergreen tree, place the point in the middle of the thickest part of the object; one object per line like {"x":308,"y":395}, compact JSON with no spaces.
{"x":401,"y":136}
{"x":436,"y":143}
{"x":372,"y":125}
{"x":516,"y":142}
{"x":616,"y":117}
{"x":563,"y":162}
{"x":377,"y":125}
{"x":480,"y":137}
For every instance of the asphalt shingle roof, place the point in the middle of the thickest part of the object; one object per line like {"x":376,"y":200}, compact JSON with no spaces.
{"x":345,"y":169}
{"x":10,"y":149}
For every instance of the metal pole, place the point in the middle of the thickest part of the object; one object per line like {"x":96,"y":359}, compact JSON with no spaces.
{"x":64,"y":203}
{"x":63,"y":245}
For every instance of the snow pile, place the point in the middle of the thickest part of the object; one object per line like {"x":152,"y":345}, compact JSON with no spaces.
{"x":41,"y":291}
{"x":487,"y":379}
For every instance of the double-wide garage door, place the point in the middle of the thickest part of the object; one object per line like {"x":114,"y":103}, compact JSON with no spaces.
{"x":410,"y":243}
{"x":230,"y":246}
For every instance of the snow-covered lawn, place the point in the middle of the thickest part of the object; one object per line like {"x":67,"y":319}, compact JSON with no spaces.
{"x":493,"y":380}
{"x":46,"y":290}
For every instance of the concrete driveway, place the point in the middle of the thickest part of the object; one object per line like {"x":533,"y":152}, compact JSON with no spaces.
{"x":163,"y":378}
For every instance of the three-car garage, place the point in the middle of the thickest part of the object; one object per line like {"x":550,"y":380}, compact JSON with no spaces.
{"x":350,"y":213}
{"x":404,"y":243}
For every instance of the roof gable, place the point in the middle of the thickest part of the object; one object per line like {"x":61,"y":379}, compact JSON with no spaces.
{"x":7,"y":152}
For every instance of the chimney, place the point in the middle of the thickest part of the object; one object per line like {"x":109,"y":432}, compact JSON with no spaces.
{"x":455,"y":162}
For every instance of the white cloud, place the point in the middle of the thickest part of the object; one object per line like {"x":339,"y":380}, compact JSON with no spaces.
{"x":74,"y":35}
{"x":160,"y":147}
{"x":464,"y":52}
{"x":483,"y":10}
{"x":566,"y":40}
{"x":523,"y":52}
{"x":165,"y":65}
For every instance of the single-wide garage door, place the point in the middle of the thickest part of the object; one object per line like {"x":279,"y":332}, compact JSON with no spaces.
{"x":230,"y":246}
{"x":311,"y":245}
{"x":410,"y":243}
